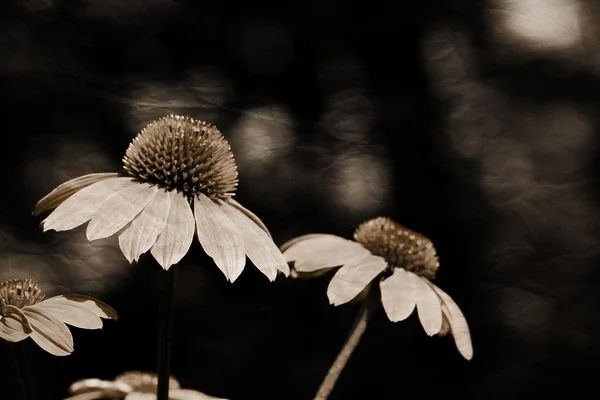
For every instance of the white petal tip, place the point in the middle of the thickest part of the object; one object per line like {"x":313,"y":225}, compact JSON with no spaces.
{"x":271,"y":277}
{"x":334,"y":302}
{"x":91,"y":238}
{"x":46,"y":228}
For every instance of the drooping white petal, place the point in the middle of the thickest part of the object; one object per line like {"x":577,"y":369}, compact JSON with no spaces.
{"x":323,"y":251}
{"x":219,"y":236}
{"x":142,"y":233}
{"x":81,"y":207}
{"x":249,"y":214}
{"x":458,"y":323}
{"x":353,"y":277}
{"x":398,"y":295}
{"x":99,"y":308}
{"x":261,"y":250}
{"x":49,"y":332}
{"x":71,"y":312}
{"x":176,"y":238}
{"x":14,"y":326}
{"x":115,"y":388}
{"x":79,"y":310}
{"x":188,"y":394}
{"x":292,"y":242}
{"x":119,"y":210}
{"x":429,"y":306}
{"x":65,"y":190}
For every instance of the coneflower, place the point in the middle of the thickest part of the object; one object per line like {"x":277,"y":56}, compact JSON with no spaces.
{"x":179,"y":177}
{"x":402,"y":261}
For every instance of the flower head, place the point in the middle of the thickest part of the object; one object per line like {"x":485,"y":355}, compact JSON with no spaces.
{"x":401,"y":260}
{"x":25,"y":313}
{"x":133,"y":385}
{"x":179,"y":178}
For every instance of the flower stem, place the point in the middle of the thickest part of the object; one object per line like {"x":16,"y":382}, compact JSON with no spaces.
{"x":20,"y":361}
{"x":167,"y":302}
{"x":356,"y":332}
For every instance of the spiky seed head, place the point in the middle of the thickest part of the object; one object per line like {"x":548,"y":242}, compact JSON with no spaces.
{"x":20,"y":293}
{"x":183,"y":154}
{"x":144,"y":382}
{"x":399,"y":246}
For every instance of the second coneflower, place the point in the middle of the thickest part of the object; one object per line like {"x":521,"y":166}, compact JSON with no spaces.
{"x":179,"y":177}
{"x":402,"y":261}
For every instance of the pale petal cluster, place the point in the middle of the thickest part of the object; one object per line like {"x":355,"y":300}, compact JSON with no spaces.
{"x":45,"y":321}
{"x":149,"y":218}
{"x":133,"y":385}
{"x":401,"y":291}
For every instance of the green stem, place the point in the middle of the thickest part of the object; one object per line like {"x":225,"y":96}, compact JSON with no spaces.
{"x":22,"y":367}
{"x":165,"y":331}
{"x":356,"y":332}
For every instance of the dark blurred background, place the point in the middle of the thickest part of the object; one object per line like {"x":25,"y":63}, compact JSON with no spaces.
{"x":473,"y":122}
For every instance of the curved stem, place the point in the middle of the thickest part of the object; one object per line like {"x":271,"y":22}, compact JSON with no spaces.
{"x":20,"y":361}
{"x":356,"y":332}
{"x":165,"y":331}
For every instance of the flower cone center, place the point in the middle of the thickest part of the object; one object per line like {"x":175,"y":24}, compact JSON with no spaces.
{"x":399,"y":246}
{"x":183,"y":154}
{"x":20,"y":293}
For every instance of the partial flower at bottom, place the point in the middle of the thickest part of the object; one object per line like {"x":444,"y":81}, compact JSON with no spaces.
{"x":133,"y":385}
{"x":25,"y":313}
{"x":402,"y":261}
{"x":179,"y":178}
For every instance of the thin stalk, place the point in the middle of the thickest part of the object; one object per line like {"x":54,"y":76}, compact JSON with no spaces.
{"x":22,"y":367}
{"x":356,"y":332}
{"x":165,"y":332}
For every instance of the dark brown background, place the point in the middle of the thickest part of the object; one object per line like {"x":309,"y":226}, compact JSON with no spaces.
{"x":435,"y":113}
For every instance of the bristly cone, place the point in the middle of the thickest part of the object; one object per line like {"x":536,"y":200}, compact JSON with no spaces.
{"x":399,"y":246}
{"x":20,"y":293}
{"x":183,"y":154}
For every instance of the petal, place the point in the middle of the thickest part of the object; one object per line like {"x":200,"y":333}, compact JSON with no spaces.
{"x":284,"y":247}
{"x":323,"y":251}
{"x":253,"y":217}
{"x":119,"y":210}
{"x":219,"y":237}
{"x":139,"y":237}
{"x":353,"y":277}
{"x":14,"y":326}
{"x":74,"y":315}
{"x":71,"y":312}
{"x":457,"y":321}
{"x":175,"y":239}
{"x":107,"y":387}
{"x":188,"y":394}
{"x":82,"y":206}
{"x":48,"y":332}
{"x":429,"y":306}
{"x":96,"y":306}
{"x":398,"y":295}
{"x":65,"y":190}
{"x":261,"y":250}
